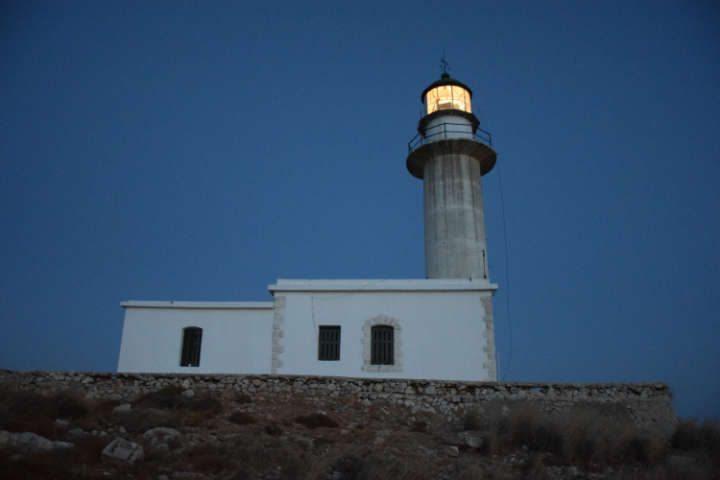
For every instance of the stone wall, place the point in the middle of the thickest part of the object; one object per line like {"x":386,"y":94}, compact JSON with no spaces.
{"x":648,"y":405}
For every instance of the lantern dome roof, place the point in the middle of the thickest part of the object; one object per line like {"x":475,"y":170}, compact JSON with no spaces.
{"x":445,"y":79}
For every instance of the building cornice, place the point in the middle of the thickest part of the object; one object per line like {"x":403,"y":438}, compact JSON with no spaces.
{"x":384,"y":285}
{"x":202,"y":305}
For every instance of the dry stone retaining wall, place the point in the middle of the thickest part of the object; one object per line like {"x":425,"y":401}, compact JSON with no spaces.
{"x":644,"y":404}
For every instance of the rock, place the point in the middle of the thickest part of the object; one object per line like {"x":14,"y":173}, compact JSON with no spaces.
{"x":187,"y":475}
{"x":681,"y":462}
{"x":161,"y":437}
{"x":61,"y":422}
{"x":452,"y":439}
{"x":188,"y":393}
{"x":123,"y":451}
{"x":76,"y":433}
{"x":472,"y":438}
{"x":380,"y":436}
{"x":30,"y":442}
{"x":161,"y":448}
{"x":124,"y":408}
{"x":59,"y":444}
{"x":452,"y":451}
{"x":302,"y":439}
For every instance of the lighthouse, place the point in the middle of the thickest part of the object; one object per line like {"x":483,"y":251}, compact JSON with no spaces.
{"x":359,"y":328}
{"x":451,"y":153}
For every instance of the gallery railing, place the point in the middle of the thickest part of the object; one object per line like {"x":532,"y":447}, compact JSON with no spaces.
{"x":447,"y":130}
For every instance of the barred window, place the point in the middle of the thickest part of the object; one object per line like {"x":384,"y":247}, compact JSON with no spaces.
{"x":329,"y":343}
{"x":192,"y":340}
{"x":383,"y":345}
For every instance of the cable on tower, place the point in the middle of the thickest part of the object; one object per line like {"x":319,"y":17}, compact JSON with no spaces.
{"x":507,"y":269}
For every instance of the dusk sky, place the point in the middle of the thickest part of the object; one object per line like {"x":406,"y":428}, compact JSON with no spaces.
{"x":201,"y":150}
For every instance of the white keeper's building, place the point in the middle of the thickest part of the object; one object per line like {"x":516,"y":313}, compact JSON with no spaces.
{"x":435,"y":328}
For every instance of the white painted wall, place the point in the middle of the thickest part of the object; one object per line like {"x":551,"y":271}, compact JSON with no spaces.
{"x":236,"y":336}
{"x":442,"y":334}
{"x":443,"y":330}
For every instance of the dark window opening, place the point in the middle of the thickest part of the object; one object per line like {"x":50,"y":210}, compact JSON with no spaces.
{"x":192,"y":340}
{"x":329,"y":343}
{"x":383,"y":345}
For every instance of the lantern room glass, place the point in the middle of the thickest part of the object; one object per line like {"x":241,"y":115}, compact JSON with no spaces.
{"x":447,"y":97}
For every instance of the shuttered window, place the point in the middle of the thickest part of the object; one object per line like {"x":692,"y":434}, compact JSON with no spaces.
{"x":383,"y":345}
{"x":192,"y":340}
{"x":329,"y":343}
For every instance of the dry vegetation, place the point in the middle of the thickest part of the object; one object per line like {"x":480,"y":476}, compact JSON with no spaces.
{"x":237,"y":436}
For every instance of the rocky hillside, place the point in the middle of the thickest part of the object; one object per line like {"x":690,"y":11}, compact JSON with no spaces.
{"x":178,"y":433}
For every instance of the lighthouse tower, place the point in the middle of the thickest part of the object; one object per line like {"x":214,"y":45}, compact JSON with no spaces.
{"x":450,"y":154}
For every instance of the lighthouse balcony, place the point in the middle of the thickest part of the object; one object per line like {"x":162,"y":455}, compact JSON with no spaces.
{"x":448,"y":130}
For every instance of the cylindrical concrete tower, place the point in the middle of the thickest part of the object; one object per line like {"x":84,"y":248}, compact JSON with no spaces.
{"x":451,"y":153}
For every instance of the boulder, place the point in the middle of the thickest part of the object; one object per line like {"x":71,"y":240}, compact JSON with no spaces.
{"x":472,"y":438}
{"x":124,"y":408}
{"x":123,"y":451}
{"x":161,"y":437}
{"x":466,"y":438}
{"x":30,"y":442}
{"x":187,"y":476}
{"x":452,"y":439}
{"x":451,"y":450}
{"x":303,"y":440}
{"x":59,"y":444}
{"x":77,"y":433}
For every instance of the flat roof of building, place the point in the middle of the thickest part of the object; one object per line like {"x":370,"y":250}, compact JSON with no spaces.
{"x":382,"y":285}
{"x":204,"y":305}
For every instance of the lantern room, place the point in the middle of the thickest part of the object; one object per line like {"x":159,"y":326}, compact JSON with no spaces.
{"x":447,"y":94}
{"x":447,"y":112}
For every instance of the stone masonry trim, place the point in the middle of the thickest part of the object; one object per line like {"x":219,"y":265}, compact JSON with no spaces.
{"x":277,"y":333}
{"x":367,"y":344}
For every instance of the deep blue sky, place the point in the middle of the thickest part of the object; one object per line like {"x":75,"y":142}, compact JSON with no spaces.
{"x":200,"y":150}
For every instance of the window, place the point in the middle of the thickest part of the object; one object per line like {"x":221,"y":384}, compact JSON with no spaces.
{"x":383,"y":345}
{"x":447,"y":97}
{"x":192,"y":339}
{"x":329,"y":343}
